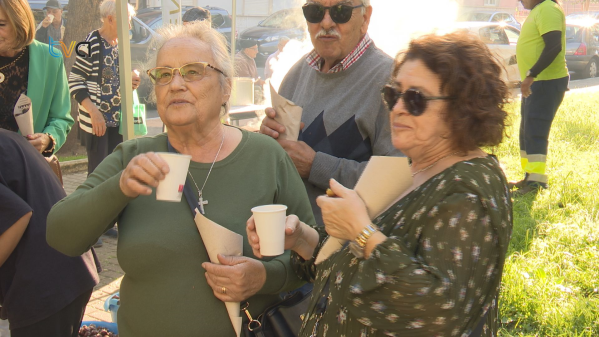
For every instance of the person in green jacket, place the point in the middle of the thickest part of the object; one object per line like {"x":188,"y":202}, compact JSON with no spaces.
{"x":28,"y":67}
{"x":170,"y":287}
{"x":431,"y":264}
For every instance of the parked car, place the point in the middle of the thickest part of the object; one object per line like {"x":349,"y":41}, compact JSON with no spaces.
{"x":37,"y":7}
{"x":221,"y":20}
{"x":490,"y":16}
{"x":286,"y":22}
{"x":501,"y":40}
{"x":143,"y":28}
{"x":582,"y":47}
{"x":582,"y":16}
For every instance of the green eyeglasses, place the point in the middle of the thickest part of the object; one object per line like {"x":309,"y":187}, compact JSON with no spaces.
{"x":190,"y":72}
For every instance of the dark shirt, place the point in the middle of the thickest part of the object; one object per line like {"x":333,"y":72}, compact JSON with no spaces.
{"x":111,"y":94}
{"x":36,"y":281}
{"x":14,"y":84}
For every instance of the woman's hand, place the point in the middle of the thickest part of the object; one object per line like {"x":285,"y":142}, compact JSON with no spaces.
{"x":98,"y":121}
{"x":345,"y":215}
{"x":40,"y":141}
{"x":135,"y":79}
{"x":299,"y":237}
{"x":236,"y":278}
{"x":143,"y":172}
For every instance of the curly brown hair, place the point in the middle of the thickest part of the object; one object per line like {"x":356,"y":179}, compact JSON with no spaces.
{"x":470,"y":74}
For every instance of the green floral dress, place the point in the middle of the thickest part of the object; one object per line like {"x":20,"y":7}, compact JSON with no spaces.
{"x":437,"y":274}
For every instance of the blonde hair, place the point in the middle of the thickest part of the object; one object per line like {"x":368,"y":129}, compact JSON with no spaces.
{"x":20,"y":18}
{"x":108,"y":7}
{"x":202,"y":31}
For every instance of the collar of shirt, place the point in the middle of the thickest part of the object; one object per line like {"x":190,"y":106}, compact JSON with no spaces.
{"x":315,"y":61}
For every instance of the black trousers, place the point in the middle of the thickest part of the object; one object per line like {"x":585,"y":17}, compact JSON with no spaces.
{"x":64,"y":323}
{"x":99,"y":148}
{"x":538,"y":112}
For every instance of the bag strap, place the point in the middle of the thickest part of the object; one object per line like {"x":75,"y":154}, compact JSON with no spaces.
{"x":135,"y":97}
{"x":187,"y":189}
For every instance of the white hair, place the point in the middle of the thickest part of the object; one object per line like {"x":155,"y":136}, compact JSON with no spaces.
{"x":202,"y":31}
{"x":108,"y":8}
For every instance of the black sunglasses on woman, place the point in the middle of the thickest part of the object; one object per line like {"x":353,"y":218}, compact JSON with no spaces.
{"x":413,"y":99}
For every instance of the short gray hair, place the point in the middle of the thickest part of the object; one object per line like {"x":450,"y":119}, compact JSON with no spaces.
{"x":108,"y":7}
{"x":366,"y":3}
{"x":202,"y":31}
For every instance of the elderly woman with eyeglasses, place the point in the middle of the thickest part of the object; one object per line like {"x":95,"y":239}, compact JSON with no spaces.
{"x":170,"y":288}
{"x":431,"y":264}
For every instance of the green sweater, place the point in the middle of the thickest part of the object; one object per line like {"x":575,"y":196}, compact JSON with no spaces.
{"x":49,"y":92}
{"x":164,"y":291}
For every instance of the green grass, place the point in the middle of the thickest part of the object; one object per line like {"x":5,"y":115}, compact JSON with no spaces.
{"x":68,"y":158}
{"x":550,"y":285}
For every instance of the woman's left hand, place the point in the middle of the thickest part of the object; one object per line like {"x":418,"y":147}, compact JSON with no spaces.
{"x":236,"y":278}
{"x":39,"y":140}
{"x":135,"y":79}
{"x":344,"y":215}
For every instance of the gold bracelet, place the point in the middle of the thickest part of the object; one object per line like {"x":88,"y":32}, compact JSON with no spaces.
{"x":365,"y":235}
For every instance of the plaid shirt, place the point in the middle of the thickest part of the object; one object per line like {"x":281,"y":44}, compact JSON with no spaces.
{"x":315,"y":61}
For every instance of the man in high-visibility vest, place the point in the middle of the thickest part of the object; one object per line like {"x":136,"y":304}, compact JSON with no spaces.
{"x":541,"y":58}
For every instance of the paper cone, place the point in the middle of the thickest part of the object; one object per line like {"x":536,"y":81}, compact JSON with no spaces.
{"x":379,"y":186}
{"x":23,"y":113}
{"x":219,"y":240}
{"x":288,"y":114}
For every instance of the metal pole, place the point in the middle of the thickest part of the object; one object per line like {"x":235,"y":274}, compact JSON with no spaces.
{"x":233,"y":29}
{"x":122,"y":14}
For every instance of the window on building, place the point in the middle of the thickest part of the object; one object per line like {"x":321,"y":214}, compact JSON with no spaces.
{"x":490,"y":2}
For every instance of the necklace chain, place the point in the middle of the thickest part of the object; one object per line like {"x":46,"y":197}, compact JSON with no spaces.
{"x":15,"y":60}
{"x":201,"y":201}
{"x":11,"y":63}
{"x":435,"y":163}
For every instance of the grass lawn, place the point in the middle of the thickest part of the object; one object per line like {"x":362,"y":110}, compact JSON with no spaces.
{"x":551,"y":276}
{"x":68,"y":158}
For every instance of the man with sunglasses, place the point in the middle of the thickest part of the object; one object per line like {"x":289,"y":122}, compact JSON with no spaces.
{"x":541,"y":57}
{"x":338,"y":86}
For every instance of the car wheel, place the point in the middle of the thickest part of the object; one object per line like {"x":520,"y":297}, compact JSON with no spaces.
{"x":592,"y":69}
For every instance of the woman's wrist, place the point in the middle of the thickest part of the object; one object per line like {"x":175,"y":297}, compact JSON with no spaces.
{"x":307,"y":243}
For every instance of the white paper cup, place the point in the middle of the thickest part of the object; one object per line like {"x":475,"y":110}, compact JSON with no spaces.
{"x":51,"y":17}
{"x":270,"y":226}
{"x":171,"y":188}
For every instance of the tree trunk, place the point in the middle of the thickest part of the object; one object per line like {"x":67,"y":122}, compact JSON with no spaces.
{"x":585,"y":5}
{"x":83,"y":17}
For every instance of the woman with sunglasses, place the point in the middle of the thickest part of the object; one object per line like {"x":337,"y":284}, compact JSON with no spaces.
{"x":170,"y":288}
{"x":431,"y":264}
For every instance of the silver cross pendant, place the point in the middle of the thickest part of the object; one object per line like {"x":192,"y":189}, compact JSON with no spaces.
{"x":201,"y":203}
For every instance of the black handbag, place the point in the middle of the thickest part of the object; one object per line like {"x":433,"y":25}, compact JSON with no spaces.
{"x":282,"y":319}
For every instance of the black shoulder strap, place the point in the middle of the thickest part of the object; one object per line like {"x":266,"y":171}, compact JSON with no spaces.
{"x":187,"y":190}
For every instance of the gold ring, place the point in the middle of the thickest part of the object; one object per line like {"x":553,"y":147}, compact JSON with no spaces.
{"x":223,"y":290}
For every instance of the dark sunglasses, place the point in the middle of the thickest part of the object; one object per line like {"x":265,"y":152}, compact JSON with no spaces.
{"x":314,"y":13}
{"x":413,"y":99}
{"x":190,"y":72}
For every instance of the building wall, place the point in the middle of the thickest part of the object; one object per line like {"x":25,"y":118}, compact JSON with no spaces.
{"x":504,"y":5}
{"x":249,"y":12}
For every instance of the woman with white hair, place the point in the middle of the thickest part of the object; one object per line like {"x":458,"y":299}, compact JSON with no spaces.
{"x":170,"y":288}
{"x":94,"y":83}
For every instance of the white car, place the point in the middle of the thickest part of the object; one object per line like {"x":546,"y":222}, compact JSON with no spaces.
{"x":501,"y":40}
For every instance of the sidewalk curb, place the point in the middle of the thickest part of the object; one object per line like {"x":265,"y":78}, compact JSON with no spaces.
{"x":73,"y":166}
